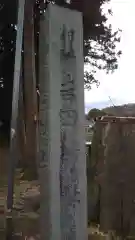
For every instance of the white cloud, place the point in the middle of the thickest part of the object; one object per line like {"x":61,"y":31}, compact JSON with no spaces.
{"x":121,"y":84}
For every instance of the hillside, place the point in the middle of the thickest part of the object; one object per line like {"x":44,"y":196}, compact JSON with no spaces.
{"x":103,"y":104}
{"x":123,"y":110}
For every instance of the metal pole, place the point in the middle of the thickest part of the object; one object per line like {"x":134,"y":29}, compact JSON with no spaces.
{"x":15,"y":100}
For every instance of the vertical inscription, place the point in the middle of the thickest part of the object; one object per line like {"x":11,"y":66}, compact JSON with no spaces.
{"x":43,"y":130}
{"x":67,"y":38}
{"x":68,"y":117}
{"x":43,"y":110}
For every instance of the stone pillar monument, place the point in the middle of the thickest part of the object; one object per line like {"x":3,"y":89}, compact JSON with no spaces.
{"x":62,"y":165}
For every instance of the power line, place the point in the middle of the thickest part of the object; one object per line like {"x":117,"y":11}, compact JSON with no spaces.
{"x":111,"y":101}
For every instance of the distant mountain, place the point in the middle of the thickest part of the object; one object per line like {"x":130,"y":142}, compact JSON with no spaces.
{"x":126,"y":110}
{"x":103,"y":104}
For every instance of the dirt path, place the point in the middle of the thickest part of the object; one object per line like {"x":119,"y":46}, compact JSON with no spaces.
{"x":23,"y":222}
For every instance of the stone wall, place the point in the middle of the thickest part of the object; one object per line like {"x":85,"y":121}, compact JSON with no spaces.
{"x":114,"y":156}
{"x":118,"y":190}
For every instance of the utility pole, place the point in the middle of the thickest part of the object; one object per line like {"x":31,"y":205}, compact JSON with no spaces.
{"x":15,"y":100}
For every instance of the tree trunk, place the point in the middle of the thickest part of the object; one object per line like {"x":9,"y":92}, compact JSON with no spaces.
{"x":30,"y":96}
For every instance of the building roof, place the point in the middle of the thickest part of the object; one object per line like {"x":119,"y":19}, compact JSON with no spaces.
{"x":88,"y":123}
{"x":88,"y":143}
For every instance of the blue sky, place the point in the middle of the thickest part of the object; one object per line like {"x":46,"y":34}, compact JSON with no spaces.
{"x":121,"y":84}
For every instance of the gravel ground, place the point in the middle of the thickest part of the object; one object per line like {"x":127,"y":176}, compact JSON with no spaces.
{"x":23,"y":223}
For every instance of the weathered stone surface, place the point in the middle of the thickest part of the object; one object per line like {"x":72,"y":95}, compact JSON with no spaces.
{"x":117,"y":167}
{"x":62,"y":164}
